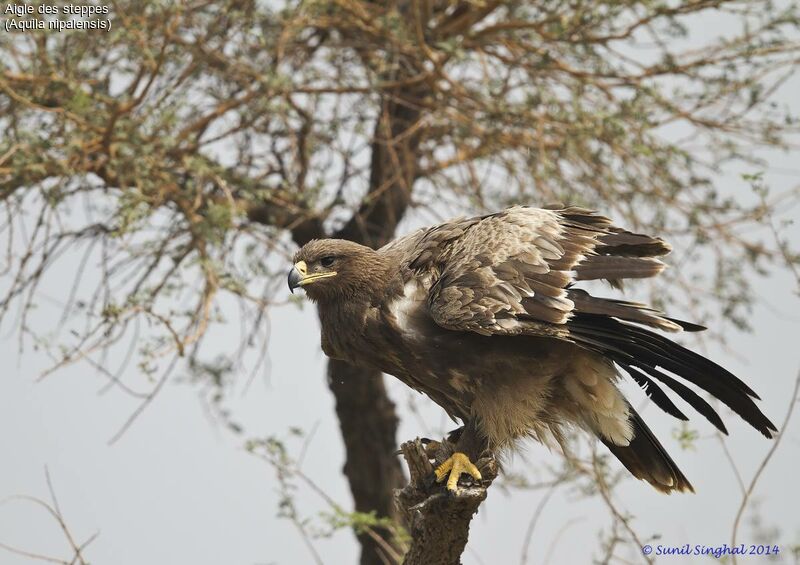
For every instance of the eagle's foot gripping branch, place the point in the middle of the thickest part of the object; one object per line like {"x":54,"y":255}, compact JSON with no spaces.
{"x":439,"y":521}
{"x":456,"y":465}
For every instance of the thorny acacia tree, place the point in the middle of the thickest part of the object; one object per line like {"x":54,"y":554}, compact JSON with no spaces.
{"x":193,"y":147}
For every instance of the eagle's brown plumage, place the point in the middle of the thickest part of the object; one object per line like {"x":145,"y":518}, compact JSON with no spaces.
{"x":482,"y":315}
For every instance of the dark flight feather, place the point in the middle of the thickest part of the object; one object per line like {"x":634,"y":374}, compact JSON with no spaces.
{"x":647,"y":459}
{"x":624,"y":310}
{"x":628,"y":244}
{"x":689,"y":396}
{"x":649,"y":351}
{"x":654,"y":392}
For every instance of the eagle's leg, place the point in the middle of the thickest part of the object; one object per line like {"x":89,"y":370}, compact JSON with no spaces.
{"x":468,"y":448}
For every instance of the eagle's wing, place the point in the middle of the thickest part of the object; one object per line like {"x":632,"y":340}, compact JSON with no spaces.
{"x":510,"y":273}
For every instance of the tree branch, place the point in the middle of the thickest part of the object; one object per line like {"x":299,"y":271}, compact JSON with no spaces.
{"x":439,"y":520}
{"x":393,"y":169}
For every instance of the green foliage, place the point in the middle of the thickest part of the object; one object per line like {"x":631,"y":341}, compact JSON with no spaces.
{"x":291,"y":479}
{"x":686,"y":436}
{"x":361,"y":522}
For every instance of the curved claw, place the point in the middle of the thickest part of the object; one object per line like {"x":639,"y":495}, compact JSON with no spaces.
{"x":455,"y":465}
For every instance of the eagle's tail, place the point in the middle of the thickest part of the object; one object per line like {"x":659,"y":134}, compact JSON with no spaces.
{"x":647,"y":459}
{"x":646,"y":355}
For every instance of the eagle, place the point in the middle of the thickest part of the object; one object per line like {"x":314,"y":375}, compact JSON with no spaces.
{"x":485,"y":316}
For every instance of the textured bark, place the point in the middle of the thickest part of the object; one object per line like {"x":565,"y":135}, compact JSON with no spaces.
{"x":369,"y":427}
{"x":438,"y":520}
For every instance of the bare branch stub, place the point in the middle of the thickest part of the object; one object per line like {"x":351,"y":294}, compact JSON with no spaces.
{"x":438,"y":520}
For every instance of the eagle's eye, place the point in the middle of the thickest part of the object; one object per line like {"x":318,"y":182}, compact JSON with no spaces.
{"x":326,"y":261}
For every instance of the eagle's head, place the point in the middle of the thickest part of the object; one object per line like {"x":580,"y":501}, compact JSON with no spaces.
{"x":334,"y":269}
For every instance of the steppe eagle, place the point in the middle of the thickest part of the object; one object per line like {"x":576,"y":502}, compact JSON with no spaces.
{"x":484,"y":316}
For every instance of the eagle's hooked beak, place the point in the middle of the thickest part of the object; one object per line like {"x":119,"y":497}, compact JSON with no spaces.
{"x":299,"y":276}
{"x":295,"y":276}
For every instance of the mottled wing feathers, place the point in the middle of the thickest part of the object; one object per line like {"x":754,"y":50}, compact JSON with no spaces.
{"x":509,"y":273}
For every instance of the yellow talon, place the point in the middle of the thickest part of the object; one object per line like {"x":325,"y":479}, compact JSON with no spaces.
{"x":455,"y":465}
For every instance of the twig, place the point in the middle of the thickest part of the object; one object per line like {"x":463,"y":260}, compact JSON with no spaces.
{"x":748,"y":493}
{"x":532,"y":524}
{"x":54,"y":510}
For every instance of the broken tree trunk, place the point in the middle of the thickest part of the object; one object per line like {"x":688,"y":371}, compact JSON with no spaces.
{"x":438,"y":520}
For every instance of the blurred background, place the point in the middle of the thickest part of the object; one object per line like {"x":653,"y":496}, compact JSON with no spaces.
{"x":166,"y":400}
